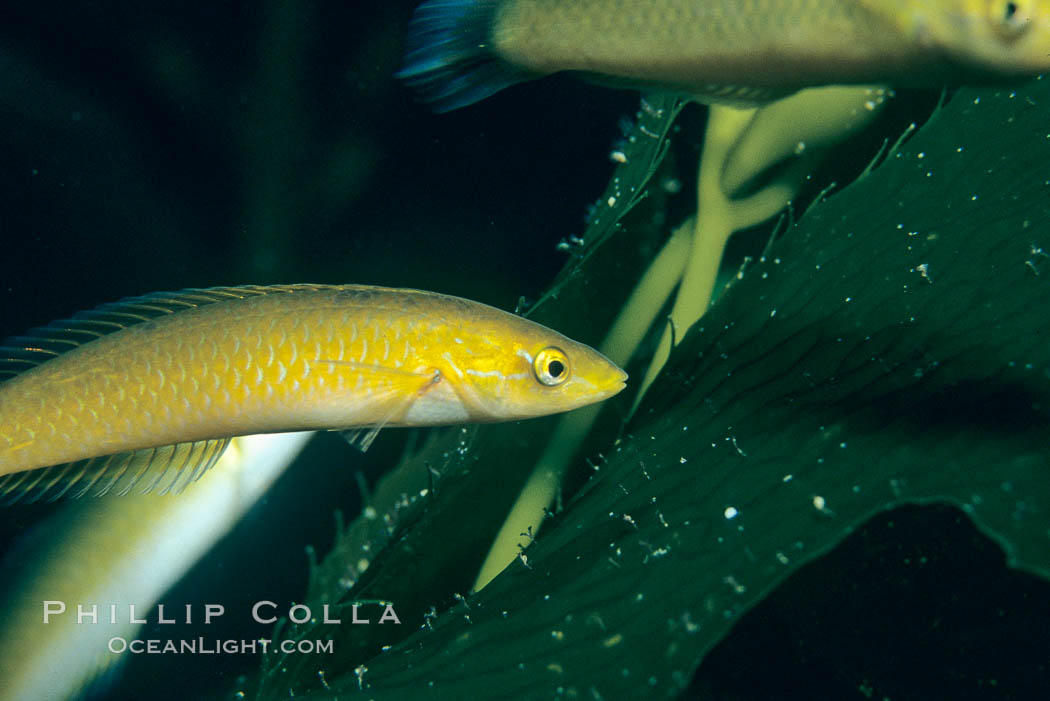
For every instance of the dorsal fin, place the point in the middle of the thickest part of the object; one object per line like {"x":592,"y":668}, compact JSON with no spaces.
{"x":165,"y":469}
{"x":38,"y":345}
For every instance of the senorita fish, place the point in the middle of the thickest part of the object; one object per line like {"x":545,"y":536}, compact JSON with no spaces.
{"x":742,"y":51}
{"x":147,"y":392}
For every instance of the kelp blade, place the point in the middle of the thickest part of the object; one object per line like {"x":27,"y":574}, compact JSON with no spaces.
{"x":891,"y":348}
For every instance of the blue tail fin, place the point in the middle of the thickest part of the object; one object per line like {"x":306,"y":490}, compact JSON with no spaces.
{"x":449,"y":58}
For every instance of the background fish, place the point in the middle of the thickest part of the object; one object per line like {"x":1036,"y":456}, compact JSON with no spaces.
{"x":737,"y":51}
{"x":147,"y":392}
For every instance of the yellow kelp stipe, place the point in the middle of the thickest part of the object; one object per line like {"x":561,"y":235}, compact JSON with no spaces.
{"x":540,"y":489}
{"x":740,"y":145}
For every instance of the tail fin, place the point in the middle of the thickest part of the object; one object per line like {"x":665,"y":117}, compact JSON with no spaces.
{"x":449,"y":57}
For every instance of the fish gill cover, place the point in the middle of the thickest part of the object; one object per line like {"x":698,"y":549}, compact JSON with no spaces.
{"x":891,"y":348}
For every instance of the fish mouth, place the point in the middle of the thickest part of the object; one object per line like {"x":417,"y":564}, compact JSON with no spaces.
{"x":618,"y":383}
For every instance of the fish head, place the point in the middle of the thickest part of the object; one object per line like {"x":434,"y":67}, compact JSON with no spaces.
{"x":532,"y":371}
{"x":997,"y":37}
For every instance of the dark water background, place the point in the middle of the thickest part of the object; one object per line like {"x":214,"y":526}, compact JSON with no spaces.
{"x":149,"y":146}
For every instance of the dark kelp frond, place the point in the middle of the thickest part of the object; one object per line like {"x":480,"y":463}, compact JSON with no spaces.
{"x":893,"y":348}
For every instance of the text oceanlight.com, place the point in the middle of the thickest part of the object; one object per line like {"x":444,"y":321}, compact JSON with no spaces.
{"x":213,"y":646}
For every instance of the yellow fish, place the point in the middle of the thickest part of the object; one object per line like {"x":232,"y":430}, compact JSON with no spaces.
{"x":147,"y":392}
{"x":735,"y":51}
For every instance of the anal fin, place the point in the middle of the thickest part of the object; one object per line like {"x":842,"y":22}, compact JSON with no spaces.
{"x":165,"y":469}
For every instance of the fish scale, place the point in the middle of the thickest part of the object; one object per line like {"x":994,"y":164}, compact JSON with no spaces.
{"x":212,"y":364}
{"x":682,"y":41}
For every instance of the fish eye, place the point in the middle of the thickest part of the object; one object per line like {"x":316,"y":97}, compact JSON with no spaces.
{"x":551,"y":366}
{"x":1010,"y":19}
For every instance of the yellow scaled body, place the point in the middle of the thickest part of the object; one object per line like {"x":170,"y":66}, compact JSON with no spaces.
{"x":203,"y":365}
{"x":460,"y":51}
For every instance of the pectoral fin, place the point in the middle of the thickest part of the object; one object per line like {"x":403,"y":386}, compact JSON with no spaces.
{"x":163,"y":469}
{"x":360,"y":438}
{"x":390,"y":403}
